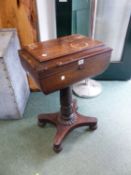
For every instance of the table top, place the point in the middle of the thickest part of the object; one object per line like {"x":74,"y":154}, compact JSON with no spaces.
{"x":56,"y":48}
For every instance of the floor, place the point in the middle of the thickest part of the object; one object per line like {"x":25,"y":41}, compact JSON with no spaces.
{"x":26,"y":149}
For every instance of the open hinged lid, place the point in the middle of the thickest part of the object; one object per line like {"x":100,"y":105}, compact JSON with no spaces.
{"x":56,"y":48}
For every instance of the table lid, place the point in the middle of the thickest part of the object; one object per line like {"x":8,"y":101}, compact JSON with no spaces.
{"x":56,"y":48}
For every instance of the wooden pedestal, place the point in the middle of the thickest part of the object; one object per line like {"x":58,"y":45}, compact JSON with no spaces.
{"x":67,"y":119}
{"x":56,"y":65}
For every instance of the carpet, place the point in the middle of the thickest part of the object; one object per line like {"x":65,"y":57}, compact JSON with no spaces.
{"x":26,"y":149}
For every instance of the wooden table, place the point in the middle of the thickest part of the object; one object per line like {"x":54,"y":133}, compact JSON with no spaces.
{"x":56,"y":65}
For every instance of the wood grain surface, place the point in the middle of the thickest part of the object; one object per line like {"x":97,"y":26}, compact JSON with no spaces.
{"x":22,"y":15}
{"x":63,"y":46}
{"x":64,"y":70}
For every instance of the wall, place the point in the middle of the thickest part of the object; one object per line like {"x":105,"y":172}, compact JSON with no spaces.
{"x":47,"y":19}
{"x":112,"y":21}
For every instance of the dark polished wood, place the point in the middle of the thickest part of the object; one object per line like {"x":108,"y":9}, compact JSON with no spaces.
{"x":56,"y":65}
{"x":67,"y":119}
{"x":47,"y":72}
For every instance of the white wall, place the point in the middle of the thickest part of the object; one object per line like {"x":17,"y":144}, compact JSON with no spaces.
{"x":46,"y":19}
{"x":112,"y":20}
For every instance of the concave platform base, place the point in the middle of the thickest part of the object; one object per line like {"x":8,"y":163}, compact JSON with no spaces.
{"x":63,"y":130}
{"x":65,"y":125}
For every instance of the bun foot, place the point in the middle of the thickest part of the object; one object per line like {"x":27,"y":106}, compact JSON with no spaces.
{"x":41,"y":124}
{"x":93,"y":127}
{"x":57,"y":148}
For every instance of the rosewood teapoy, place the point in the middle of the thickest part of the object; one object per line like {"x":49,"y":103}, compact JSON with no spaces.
{"x":57,"y":64}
